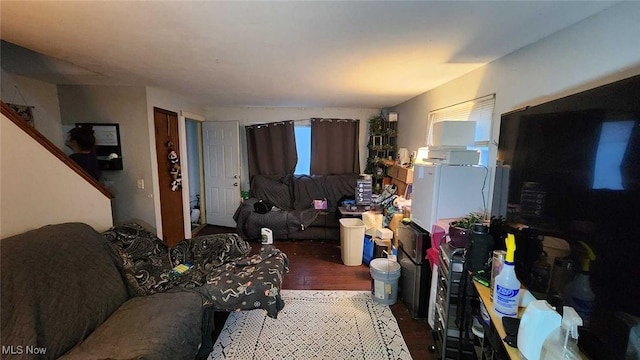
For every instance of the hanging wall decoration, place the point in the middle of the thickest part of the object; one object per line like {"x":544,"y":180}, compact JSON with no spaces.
{"x":174,"y":170}
{"x":25,"y":112}
{"x":174,"y":161}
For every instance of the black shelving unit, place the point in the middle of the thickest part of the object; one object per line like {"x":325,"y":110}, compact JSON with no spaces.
{"x":448,"y":337}
{"x":383,"y":149}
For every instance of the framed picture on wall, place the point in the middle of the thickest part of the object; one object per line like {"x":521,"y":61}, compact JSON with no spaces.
{"x":106,"y":134}
{"x":108,"y":147}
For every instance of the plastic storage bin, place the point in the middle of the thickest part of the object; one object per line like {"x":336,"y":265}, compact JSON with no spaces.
{"x":384,"y":283}
{"x":351,"y":241}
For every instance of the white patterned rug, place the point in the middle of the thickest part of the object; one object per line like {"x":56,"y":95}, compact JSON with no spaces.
{"x":314,"y":325}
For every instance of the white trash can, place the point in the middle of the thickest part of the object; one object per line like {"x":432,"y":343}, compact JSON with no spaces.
{"x":351,"y":241}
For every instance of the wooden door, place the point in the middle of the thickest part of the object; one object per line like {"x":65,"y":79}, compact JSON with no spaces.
{"x":167,"y":140}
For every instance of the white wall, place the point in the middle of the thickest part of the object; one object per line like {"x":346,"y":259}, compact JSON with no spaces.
{"x":258,"y":115}
{"x":30,"y":200}
{"x":596,"y":51}
{"x":126,"y":106}
{"x":43,"y":97}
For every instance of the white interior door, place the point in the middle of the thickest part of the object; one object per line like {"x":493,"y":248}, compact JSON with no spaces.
{"x":221,"y":148}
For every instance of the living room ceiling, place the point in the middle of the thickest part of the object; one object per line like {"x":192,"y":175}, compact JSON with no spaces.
{"x":282,"y":54}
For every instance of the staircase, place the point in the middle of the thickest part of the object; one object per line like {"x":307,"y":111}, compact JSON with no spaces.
{"x":41,"y":185}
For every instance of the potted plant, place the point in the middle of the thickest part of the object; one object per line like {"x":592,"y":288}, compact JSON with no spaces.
{"x":375,"y":125}
{"x":460,"y":229}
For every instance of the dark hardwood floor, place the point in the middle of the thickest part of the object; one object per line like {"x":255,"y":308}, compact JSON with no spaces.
{"x":317,"y":265}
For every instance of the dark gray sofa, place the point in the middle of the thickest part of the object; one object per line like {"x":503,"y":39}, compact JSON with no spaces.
{"x":294,"y":216}
{"x":66,"y":290}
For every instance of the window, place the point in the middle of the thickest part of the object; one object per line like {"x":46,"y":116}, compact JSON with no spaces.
{"x":479,"y":110}
{"x":303,"y":148}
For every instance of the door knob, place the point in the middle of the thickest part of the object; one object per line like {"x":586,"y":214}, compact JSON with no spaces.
{"x":235,"y":184}
{"x":236,"y":176}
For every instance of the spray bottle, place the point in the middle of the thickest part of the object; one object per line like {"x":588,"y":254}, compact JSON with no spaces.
{"x":579,"y":293}
{"x":507,"y":286}
{"x":562,"y":343}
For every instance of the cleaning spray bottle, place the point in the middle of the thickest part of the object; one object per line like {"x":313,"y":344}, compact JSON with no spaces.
{"x":507,"y":286}
{"x":579,"y":294}
{"x":562,"y":343}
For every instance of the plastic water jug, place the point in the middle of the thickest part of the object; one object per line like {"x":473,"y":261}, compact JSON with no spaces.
{"x":267,"y":236}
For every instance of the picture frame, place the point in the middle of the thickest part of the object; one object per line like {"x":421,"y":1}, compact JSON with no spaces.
{"x":106,"y":134}
{"x":108,"y":146}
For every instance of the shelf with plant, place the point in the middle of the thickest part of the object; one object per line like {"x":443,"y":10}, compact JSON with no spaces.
{"x":381,"y":147}
{"x":376,"y":124}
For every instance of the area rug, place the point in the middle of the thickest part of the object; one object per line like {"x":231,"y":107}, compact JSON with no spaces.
{"x":314,"y":325}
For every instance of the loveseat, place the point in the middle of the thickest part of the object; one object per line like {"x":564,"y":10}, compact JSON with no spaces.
{"x":294,"y":215}
{"x":73,"y":293}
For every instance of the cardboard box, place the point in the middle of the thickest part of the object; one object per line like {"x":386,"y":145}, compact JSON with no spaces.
{"x":401,"y":187}
{"x":384,"y":233}
{"x":405,"y":175}
{"x":393,"y":226}
{"x":401,"y":173}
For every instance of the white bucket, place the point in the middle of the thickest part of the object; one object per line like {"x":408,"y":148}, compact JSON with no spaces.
{"x":384,"y":280}
{"x":267,"y":236}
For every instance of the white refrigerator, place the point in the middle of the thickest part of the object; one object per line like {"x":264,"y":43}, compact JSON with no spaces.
{"x":447,"y":191}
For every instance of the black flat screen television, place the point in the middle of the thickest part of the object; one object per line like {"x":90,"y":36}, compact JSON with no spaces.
{"x":575,"y":174}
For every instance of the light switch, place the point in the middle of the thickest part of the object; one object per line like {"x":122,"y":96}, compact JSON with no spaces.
{"x":140,"y":183}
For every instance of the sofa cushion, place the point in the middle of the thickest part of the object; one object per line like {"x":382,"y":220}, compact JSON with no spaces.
{"x":144,"y":258}
{"x":207,"y":252}
{"x":339,"y":186}
{"x":307,"y":188}
{"x":276,"y":190}
{"x":59,"y":282}
{"x":159,"y":326}
{"x":331,"y":187}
